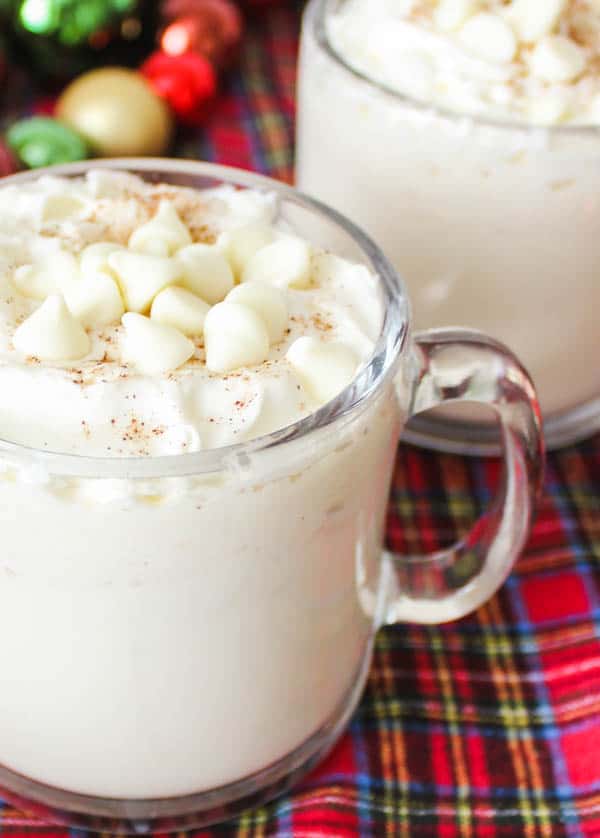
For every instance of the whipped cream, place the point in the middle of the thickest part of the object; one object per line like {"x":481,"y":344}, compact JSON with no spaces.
{"x":140,"y":320}
{"x":535,"y":61}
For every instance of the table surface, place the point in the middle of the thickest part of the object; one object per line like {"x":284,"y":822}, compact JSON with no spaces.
{"x":486,"y":727}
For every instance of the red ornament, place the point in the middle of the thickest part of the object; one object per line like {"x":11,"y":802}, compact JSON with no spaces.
{"x":8,"y":162}
{"x":188,"y":83}
{"x":212,"y":28}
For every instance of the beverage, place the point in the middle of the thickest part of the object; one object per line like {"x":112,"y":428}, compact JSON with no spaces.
{"x":471,"y":159}
{"x":200,"y":409}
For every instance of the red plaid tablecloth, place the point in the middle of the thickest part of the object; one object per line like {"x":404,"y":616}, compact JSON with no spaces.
{"x":485,"y":728}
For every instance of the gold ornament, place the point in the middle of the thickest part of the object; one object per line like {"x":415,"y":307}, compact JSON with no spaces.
{"x":118,"y":113}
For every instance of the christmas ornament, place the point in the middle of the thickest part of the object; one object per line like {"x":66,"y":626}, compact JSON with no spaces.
{"x":113,"y":111}
{"x":187,"y":82}
{"x":62,"y":37}
{"x":42,"y":141}
{"x":8,"y":162}
{"x":212,"y":28}
{"x":118,"y":113}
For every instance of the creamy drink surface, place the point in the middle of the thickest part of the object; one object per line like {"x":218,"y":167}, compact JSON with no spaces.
{"x":463,"y":136}
{"x":170,"y":635}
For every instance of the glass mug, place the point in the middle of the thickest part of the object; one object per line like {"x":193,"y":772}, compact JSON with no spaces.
{"x":185,"y":636}
{"x":492,"y":225}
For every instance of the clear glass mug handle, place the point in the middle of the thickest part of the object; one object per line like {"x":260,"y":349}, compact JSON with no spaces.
{"x":456,"y":365}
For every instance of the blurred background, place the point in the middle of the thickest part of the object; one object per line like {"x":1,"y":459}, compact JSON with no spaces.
{"x":206,"y":79}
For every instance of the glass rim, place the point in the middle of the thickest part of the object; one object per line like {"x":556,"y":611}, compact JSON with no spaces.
{"x":316,"y":12}
{"x":389,"y":347}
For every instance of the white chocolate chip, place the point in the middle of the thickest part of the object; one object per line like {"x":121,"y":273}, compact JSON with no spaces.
{"x":234,"y":336}
{"x":163,"y":235}
{"x":557,"y":60}
{"x":141,"y":277}
{"x":180,"y":309}
{"x":268,"y":302}
{"x":285,"y":263}
{"x":532,"y":19}
{"x":51,"y":333}
{"x":94,"y":257}
{"x":206,"y":272}
{"x":449,"y":15}
{"x":153,"y":348}
{"x":61,"y":207}
{"x":488,"y":36}
{"x":51,"y":276}
{"x":324,"y":368}
{"x":95,"y":301}
{"x":242,"y":243}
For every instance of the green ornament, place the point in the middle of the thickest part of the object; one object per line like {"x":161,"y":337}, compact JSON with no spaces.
{"x":71,"y":22}
{"x":42,"y":141}
{"x":61,"y":38}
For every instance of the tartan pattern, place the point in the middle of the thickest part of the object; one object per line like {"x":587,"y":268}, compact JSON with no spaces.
{"x":485,"y":728}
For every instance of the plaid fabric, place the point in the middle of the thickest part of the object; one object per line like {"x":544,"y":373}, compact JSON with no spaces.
{"x":485,"y":728}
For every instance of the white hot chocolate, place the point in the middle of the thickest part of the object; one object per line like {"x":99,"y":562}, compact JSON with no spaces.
{"x":462,"y":134}
{"x":115,"y":314}
{"x":148,"y":624}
